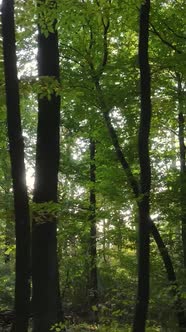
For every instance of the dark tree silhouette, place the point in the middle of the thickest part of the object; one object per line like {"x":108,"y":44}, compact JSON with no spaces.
{"x":145,"y":173}
{"x":44,"y":241}
{"x":16,"y":148}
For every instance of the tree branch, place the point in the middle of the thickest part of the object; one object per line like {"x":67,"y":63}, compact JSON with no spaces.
{"x":163,"y":40}
{"x":125,"y":165}
{"x":73,"y":49}
{"x":175,"y":33}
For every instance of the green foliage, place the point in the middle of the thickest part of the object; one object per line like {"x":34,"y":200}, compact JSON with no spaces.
{"x":40,"y":212}
{"x":81,"y":29}
{"x":88,"y":328}
{"x":7,"y":280}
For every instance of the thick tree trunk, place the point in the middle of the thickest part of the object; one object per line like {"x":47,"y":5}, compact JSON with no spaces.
{"x":93,"y":292}
{"x":44,"y":241}
{"x":16,"y":146}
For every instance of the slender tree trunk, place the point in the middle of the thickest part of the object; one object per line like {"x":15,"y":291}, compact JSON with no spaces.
{"x":145,"y":173}
{"x":16,"y":146}
{"x":181,"y":127}
{"x":44,"y":241}
{"x":93,"y":292}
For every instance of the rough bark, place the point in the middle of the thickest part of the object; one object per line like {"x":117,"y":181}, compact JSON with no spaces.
{"x":93,"y":292}
{"x":16,"y":148}
{"x":44,"y":241}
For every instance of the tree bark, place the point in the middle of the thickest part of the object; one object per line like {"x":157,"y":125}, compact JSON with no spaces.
{"x":44,"y":241}
{"x":16,"y":148}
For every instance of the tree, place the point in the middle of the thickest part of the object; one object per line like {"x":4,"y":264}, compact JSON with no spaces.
{"x":16,"y":148}
{"x":145,"y":173}
{"x":44,"y":241}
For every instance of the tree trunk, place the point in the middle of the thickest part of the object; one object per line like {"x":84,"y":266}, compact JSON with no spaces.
{"x":182,"y":147}
{"x":44,"y":241}
{"x":145,"y":173}
{"x":93,"y":292}
{"x":16,"y":147}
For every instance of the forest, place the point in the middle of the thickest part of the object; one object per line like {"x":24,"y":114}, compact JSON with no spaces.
{"x":92,"y":165}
